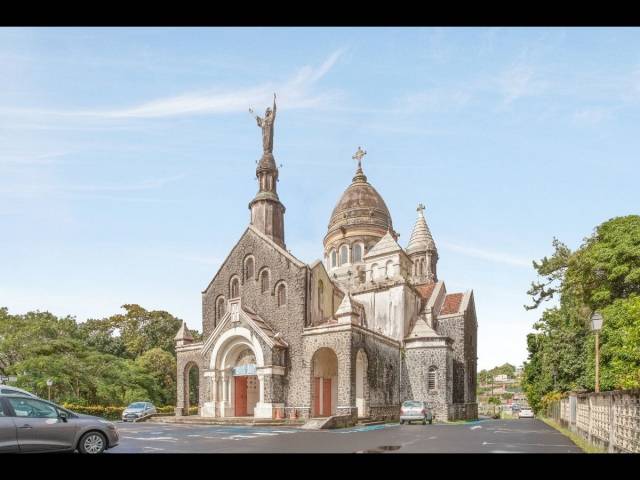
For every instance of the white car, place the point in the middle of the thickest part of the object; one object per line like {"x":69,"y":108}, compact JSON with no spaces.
{"x":525,"y":413}
{"x":7,"y":390}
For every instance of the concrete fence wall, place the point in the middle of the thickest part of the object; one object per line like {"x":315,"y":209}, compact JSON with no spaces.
{"x":609,"y":420}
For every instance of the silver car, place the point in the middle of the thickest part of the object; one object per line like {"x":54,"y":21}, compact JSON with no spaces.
{"x":30,"y":424}
{"x":7,"y":390}
{"x":415,"y":410}
{"x":137,"y":410}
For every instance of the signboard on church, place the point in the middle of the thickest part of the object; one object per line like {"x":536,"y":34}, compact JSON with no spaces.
{"x":244,"y":370}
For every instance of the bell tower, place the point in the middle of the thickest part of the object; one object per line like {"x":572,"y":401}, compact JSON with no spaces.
{"x":267,"y":212}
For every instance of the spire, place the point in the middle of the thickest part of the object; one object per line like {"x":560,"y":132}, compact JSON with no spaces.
{"x":421,"y":239}
{"x":267,"y":212}
{"x":183,"y":336}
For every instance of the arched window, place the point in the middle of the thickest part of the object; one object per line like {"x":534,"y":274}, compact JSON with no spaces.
{"x":431,"y":378}
{"x":264,"y":281}
{"x":357,"y":252}
{"x":344,"y":254}
{"x":320,"y":296}
{"x":220,"y":308}
{"x":334,"y":259}
{"x":235,"y":288}
{"x":248,"y":269}
{"x":389,"y":269}
{"x":374,"y":271}
{"x":282,"y":294}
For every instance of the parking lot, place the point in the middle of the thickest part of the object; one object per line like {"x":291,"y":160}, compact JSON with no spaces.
{"x":487,"y":436}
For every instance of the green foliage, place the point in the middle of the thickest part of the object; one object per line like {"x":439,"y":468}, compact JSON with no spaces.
{"x":112,"y":361}
{"x":494,"y":401}
{"x":604,"y":275}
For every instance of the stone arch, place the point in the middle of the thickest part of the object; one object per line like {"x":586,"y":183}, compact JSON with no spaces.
{"x":280,"y":292}
{"x":238,"y":388}
{"x":234,"y":287}
{"x":249,"y":270}
{"x":357,"y":252}
{"x":362,"y":383}
{"x":343,"y":254}
{"x":432,"y":378}
{"x":265,"y":280}
{"x":324,"y":382}
{"x":221,"y":308}
{"x":191,"y":373}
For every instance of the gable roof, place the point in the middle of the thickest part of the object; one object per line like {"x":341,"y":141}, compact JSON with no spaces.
{"x":451,"y":303}
{"x":425,"y":290}
{"x":262,"y":326}
{"x":386,"y":245}
{"x":260,"y":235}
{"x":183,"y":333}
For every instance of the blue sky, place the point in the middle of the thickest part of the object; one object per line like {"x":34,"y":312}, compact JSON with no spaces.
{"x":127,"y":156}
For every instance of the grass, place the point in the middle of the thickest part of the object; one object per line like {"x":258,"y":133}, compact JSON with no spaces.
{"x":580,"y":442}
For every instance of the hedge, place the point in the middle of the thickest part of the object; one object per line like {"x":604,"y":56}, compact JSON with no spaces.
{"x":115,"y":413}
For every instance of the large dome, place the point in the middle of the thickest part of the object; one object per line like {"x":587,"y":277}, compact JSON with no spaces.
{"x":360,"y":206}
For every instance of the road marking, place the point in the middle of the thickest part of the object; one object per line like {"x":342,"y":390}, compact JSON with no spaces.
{"x":432,"y":438}
{"x":284,"y":431}
{"x":154,"y":448}
{"x":266,"y":433}
{"x":475,"y":428}
{"x":173,"y":439}
{"x":194,"y":435}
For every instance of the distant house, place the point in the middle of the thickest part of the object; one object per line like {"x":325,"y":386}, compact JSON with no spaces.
{"x":501,"y":378}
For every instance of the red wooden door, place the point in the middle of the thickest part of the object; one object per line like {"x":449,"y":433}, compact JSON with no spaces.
{"x":316,"y":396}
{"x":326,"y":397}
{"x":241,"y":396}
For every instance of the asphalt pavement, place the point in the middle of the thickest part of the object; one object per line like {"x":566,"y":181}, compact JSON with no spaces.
{"x":484,"y":436}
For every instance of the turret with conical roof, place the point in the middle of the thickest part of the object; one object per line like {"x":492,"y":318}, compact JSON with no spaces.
{"x":183,"y":337}
{"x":422,"y":251}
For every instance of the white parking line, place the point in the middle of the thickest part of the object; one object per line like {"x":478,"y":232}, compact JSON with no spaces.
{"x":172,"y":439}
{"x":266,"y":433}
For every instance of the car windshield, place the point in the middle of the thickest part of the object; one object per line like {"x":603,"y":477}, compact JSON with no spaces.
{"x":136,"y":405}
{"x":412,"y":404}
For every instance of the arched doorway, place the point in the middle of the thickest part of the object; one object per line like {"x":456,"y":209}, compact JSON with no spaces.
{"x":362,"y":384}
{"x":191,"y":387}
{"x":324,"y":383}
{"x":245,"y":386}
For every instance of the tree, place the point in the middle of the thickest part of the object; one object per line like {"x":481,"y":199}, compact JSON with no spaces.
{"x":603,"y":274}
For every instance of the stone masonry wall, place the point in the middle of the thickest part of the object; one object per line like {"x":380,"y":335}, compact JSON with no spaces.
{"x":287,"y":319}
{"x":416,"y":364}
{"x":382,"y":377}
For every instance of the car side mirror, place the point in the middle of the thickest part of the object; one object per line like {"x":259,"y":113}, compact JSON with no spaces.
{"x":63,"y":416}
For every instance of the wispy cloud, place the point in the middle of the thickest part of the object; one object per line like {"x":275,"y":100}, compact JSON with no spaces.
{"x":492,"y":256}
{"x":297,"y":93}
{"x":38,"y":189}
{"x":520,"y":80}
{"x":591,"y":116}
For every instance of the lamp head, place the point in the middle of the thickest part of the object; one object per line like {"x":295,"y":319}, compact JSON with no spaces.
{"x":596,"y":321}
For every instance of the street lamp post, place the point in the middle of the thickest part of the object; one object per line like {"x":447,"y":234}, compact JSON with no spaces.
{"x":49,"y":383}
{"x":596,"y":326}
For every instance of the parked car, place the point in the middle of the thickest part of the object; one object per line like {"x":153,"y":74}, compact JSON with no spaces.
{"x":6,"y":389}
{"x":415,"y":410}
{"x":137,"y":410}
{"x":526,"y":413}
{"x":29,"y":425}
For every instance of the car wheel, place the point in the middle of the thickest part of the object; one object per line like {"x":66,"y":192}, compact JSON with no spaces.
{"x":401,"y":422}
{"x":92,"y":443}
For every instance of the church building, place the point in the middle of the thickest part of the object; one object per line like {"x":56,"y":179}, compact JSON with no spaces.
{"x":354,"y":334}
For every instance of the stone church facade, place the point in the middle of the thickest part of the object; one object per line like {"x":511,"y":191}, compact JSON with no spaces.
{"x":354,"y":334}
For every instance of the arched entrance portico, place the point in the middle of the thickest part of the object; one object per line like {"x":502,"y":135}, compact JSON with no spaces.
{"x":238,"y":386}
{"x":324,"y":383}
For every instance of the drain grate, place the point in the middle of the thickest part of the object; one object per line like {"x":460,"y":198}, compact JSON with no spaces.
{"x":381,"y":449}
